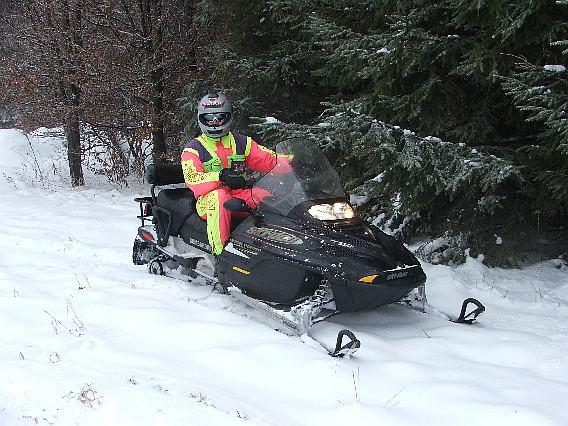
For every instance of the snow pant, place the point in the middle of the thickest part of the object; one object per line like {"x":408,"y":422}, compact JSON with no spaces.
{"x":211,"y":208}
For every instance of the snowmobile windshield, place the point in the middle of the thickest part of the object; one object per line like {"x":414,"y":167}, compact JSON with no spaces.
{"x":302,"y":174}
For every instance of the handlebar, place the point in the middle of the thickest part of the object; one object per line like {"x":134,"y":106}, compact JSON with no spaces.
{"x":249,"y":184}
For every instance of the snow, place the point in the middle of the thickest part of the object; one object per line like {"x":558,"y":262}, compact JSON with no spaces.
{"x":555,"y":68}
{"x":358,"y":200}
{"x":378,"y":178}
{"x":37,"y":162}
{"x":88,"y":338}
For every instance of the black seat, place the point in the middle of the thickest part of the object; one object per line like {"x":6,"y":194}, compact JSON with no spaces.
{"x":173,"y":208}
{"x":180,"y":203}
{"x":177,"y":215}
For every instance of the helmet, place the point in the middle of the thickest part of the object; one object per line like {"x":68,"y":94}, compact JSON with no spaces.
{"x":215,"y":106}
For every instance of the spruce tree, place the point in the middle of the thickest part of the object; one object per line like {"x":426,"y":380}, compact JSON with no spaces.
{"x":408,"y":184}
{"x":347,"y":73}
{"x":540,"y":91}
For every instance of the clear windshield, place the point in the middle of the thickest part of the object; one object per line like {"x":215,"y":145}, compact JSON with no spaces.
{"x":302,"y":173}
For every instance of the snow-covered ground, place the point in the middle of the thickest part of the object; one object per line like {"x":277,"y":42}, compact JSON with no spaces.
{"x":87,"y":338}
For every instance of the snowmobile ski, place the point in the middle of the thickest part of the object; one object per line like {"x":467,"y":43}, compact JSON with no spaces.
{"x":349,"y":348}
{"x":419,"y":302}
{"x":299,"y":325}
{"x":469,"y":318}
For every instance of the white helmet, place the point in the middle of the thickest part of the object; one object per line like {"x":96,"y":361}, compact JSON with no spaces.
{"x":215,"y":114}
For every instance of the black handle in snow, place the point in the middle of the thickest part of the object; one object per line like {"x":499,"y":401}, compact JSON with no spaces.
{"x":472,"y":316}
{"x":345,"y":349}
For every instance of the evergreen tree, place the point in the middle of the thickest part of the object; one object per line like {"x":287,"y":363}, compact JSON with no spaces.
{"x":541,"y":92}
{"x":338,"y":71}
{"x":256,"y":62}
{"x":408,"y":184}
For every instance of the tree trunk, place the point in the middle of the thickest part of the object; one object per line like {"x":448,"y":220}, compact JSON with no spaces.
{"x":73,"y":134}
{"x":74,"y":151}
{"x":159,"y":151}
{"x":71,"y":25}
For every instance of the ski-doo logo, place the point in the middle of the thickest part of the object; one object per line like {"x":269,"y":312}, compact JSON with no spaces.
{"x":396,"y":275}
{"x":274,"y":235}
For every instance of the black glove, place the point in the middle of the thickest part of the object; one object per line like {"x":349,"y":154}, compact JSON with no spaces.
{"x":232,"y":179}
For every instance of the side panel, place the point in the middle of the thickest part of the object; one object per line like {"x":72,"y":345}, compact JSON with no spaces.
{"x":270,"y":280}
{"x":194,"y":232}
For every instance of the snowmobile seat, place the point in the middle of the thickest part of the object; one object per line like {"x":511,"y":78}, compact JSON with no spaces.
{"x":180,"y":202}
{"x":173,"y":208}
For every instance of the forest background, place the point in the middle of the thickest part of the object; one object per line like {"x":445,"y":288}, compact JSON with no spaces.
{"x":446,"y":120}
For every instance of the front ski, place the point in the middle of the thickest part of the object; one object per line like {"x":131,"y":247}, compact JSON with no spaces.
{"x":469,"y":318}
{"x":345,"y":349}
{"x":298,"y":322}
{"x":418,"y":301}
{"x":284,"y":323}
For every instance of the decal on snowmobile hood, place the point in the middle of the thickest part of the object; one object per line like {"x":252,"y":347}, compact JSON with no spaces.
{"x":245,"y":248}
{"x":397,"y":275}
{"x":274,"y":235}
{"x":232,"y":249}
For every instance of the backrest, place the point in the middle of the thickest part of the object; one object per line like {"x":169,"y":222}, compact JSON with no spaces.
{"x":172,"y":209}
{"x":164,"y":174}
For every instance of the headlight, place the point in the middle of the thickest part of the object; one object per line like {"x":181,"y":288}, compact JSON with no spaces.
{"x":333,"y":211}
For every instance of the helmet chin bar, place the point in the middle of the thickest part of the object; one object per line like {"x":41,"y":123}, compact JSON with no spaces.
{"x":209,"y":131}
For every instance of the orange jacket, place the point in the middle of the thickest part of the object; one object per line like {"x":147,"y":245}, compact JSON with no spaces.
{"x":203,"y":158}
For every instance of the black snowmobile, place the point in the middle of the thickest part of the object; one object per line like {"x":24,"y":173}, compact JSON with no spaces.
{"x":300,"y":257}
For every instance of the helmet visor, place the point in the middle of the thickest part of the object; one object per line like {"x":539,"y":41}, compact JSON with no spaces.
{"x":220,"y":117}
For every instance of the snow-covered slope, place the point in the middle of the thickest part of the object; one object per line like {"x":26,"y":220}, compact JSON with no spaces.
{"x":88,"y":338}
{"x":37,"y":158}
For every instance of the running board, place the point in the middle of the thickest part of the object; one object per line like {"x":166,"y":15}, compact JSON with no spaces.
{"x":299,"y":325}
{"x":290,"y":326}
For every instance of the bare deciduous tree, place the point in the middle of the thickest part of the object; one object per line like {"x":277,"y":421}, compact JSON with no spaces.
{"x":44,"y":72}
{"x":151,"y":54}
{"x":114,"y":66}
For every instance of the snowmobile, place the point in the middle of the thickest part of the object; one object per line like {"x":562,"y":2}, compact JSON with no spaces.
{"x":301,"y":256}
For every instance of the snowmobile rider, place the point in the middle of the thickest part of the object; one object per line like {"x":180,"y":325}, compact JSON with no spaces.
{"x":213,"y":164}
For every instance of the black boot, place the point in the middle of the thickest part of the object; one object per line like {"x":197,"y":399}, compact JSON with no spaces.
{"x":216,"y":266}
